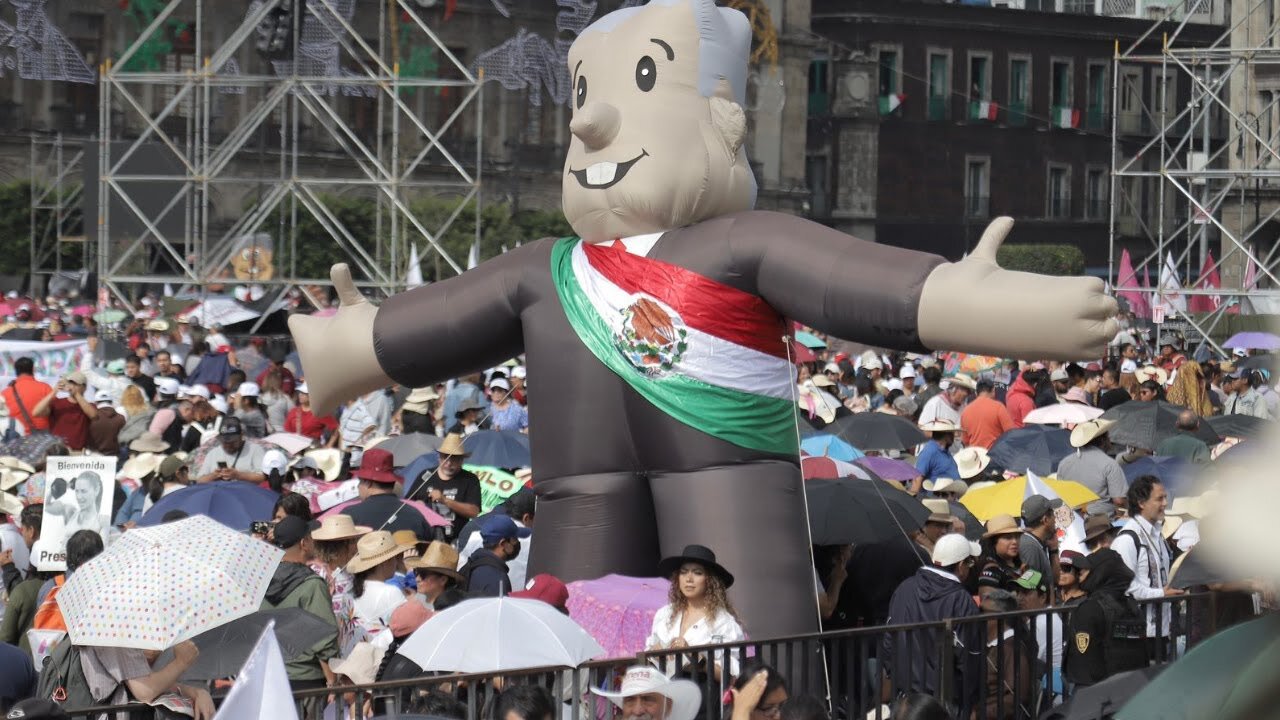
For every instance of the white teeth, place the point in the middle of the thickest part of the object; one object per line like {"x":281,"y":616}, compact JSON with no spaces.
{"x":601,"y":173}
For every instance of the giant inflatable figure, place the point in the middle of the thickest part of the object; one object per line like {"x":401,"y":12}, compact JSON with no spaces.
{"x":662,"y":407}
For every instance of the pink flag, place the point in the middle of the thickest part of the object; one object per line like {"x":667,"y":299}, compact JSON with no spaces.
{"x":1127,"y":287}
{"x":1209,"y":280}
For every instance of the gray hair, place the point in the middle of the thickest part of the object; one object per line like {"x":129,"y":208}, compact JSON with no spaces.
{"x":999,"y":601}
{"x":725,"y":42}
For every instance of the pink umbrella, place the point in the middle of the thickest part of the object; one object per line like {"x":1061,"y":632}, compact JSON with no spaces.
{"x":618,"y":610}
{"x":830,"y":468}
{"x":83,"y":310}
{"x":6,"y":309}
{"x":433,"y":518}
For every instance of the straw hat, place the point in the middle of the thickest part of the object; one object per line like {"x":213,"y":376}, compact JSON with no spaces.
{"x":971,"y":461}
{"x":947,"y":485}
{"x":10,"y":505}
{"x":10,"y":478}
{"x":13,"y":463}
{"x":1152,"y":372}
{"x":149,"y":442}
{"x":940,"y":425}
{"x":452,"y":445}
{"x":339,"y":527}
{"x":822,"y":381}
{"x":939,"y":510}
{"x":329,"y":460}
{"x":418,"y":399}
{"x":374,"y":549}
{"x":1002,"y":525}
{"x":964,"y":381}
{"x":361,"y":665}
{"x":1087,"y":432}
{"x":142,"y":465}
{"x":440,"y":557}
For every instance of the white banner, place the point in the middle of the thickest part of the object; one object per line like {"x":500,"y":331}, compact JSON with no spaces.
{"x":52,"y":359}
{"x":262,"y":690}
{"x":77,"y":496}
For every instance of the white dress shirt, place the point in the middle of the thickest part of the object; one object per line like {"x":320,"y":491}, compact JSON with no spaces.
{"x":720,"y":628}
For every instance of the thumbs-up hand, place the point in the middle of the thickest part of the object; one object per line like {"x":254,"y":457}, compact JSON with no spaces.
{"x":976,"y":306}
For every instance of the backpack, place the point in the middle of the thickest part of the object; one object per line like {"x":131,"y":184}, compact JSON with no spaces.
{"x":1125,"y":643}
{"x":48,"y":614}
{"x":62,"y":679}
{"x":479,"y":560}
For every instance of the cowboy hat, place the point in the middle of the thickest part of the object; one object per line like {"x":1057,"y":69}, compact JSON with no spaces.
{"x":338,"y":527}
{"x":700,"y":554}
{"x":11,"y":478}
{"x":418,"y":399}
{"x":374,"y":549}
{"x":1087,"y":432}
{"x":813,"y":400}
{"x":452,"y":445}
{"x":641,"y":680}
{"x":361,"y":665}
{"x":939,"y":425}
{"x":329,"y":460}
{"x":13,"y":463}
{"x":971,"y":461}
{"x":939,"y":510}
{"x":439,"y":557}
{"x":821,"y":381}
{"x":1002,"y":525}
{"x":1096,"y":526}
{"x":10,"y":505}
{"x":141,"y":465}
{"x":1152,"y":372}
{"x":964,"y":381}
{"x":947,"y":485}
{"x":149,"y":442}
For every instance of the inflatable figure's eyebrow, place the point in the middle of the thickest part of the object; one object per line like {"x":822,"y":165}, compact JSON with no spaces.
{"x":575,"y":68}
{"x":671,"y":55}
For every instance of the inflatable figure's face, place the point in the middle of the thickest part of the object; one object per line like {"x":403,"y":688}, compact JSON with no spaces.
{"x":650,"y":152}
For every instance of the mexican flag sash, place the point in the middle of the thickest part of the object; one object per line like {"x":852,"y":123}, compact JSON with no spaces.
{"x":709,"y":355}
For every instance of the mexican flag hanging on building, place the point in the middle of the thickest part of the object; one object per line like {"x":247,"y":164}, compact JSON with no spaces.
{"x":889,"y":103}
{"x":1066,"y":117}
{"x":983,"y":110}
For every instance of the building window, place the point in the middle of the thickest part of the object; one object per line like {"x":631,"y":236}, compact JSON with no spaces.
{"x":977,"y":187}
{"x":819,"y":97}
{"x":1060,"y":84}
{"x":939,"y":85}
{"x":1096,"y":109}
{"x":1131,"y":92}
{"x":1059,"y":187}
{"x":1095,"y":193}
{"x":1019,"y":90}
{"x":889,"y":69}
{"x":979,"y":77}
{"x":1168,"y":90}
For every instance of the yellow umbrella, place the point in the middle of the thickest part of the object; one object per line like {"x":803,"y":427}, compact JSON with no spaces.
{"x":1006,"y":497}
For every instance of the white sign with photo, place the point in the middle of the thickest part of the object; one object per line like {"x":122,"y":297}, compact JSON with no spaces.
{"x":77,"y":496}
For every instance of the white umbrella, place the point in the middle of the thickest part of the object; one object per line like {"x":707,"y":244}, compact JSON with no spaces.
{"x":499,"y":634}
{"x":218,"y":310}
{"x":1062,"y":414}
{"x":157,"y":586}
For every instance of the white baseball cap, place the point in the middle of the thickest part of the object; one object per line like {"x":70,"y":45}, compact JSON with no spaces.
{"x":102,"y":397}
{"x":519,"y":371}
{"x":199,"y":391}
{"x":500,"y":383}
{"x":248,"y":389}
{"x":274,"y":460}
{"x":302,"y":388}
{"x":907,"y":371}
{"x":952,"y":548}
{"x":167,"y":386}
{"x":831,"y":367}
{"x":219,"y":403}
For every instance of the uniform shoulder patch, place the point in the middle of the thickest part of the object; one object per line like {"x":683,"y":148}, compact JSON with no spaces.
{"x":1082,"y":642}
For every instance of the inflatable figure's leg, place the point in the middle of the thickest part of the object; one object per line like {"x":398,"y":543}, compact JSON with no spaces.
{"x":592,"y":525}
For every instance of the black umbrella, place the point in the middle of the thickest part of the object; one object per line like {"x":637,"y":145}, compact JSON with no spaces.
{"x":407,"y":448}
{"x":1106,"y":698}
{"x":851,"y":510}
{"x":1258,"y":362}
{"x":224,"y":649}
{"x":877,"y":431}
{"x":1237,"y":426}
{"x":973,"y":528}
{"x":1144,"y":424}
{"x":1038,"y":448}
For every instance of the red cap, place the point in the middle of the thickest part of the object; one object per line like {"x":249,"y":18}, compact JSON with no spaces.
{"x":547,"y":588}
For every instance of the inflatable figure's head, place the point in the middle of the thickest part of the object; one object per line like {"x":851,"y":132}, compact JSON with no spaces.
{"x":658,"y":125}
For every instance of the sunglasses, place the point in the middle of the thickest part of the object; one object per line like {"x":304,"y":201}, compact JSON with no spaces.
{"x":1067,"y":568}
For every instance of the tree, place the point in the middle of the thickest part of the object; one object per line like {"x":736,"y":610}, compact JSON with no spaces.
{"x":1042,"y":259}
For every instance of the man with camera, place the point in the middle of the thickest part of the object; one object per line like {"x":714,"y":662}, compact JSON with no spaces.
{"x":69,"y":411}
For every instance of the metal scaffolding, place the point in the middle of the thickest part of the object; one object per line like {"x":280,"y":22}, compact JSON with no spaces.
{"x":1191,"y":179}
{"x":58,"y":242}
{"x":280,"y":135}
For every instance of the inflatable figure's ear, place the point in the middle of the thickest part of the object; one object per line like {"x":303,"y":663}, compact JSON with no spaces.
{"x":729,"y":119}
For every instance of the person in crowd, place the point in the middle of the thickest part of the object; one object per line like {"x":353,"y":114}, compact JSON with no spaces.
{"x":1010,"y":655}
{"x":133,"y":370}
{"x":1141,"y":546}
{"x":1148,"y":391}
{"x":520,"y":507}
{"x":985,"y":418}
{"x":104,"y":428}
{"x":875,"y":572}
{"x":172,"y":475}
{"x":1189,"y":390}
{"x":334,"y":543}
{"x":1213,"y":373}
{"x":1091,"y":466}
{"x":296,"y":585}
{"x":486,"y":572}
{"x":466,"y":389}
{"x":23,"y":585}
{"x":138,"y":414}
{"x":952,"y":490}
{"x":1021,"y":398}
{"x":648,"y":694}
{"x":23,"y":394}
{"x":948,"y":404}
{"x":17,"y":535}
{"x":119,"y":675}
{"x":380,"y":506}
{"x":1184,"y":443}
{"x":698,"y":610}
{"x":470,"y":417}
{"x":1112,"y":394}
{"x":17,"y":679}
{"x":934,"y":593}
{"x":1106,"y":632}
{"x":1001,"y":563}
{"x":1046,"y":628}
{"x":291,"y":504}
{"x":939,"y":523}
{"x":68,"y":411}
{"x":418,"y":413}
{"x":366,"y":416}
{"x":525,"y":702}
{"x":504,"y":412}
{"x":758,"y":692}
{"x":233,"y":458}
{"x":436,"y":571}
{"x":82,"y":546}
{"x":919,"y":706}
{"x":1061,"y":381}
{"x":935,"y":460}
{"x":375,"y":599}
{"x":932,"y":375}
{"x":167,"y":368}
{"x":1069,"y":572}
{"x":302,"y":421}
{"x":453,"y":491}
{"x":1038,"y":546}
{"x":274,"y":399}
{"x":248,"y":409}
{"x":831,"y":567}
{"x":275,"y":366}
{"x":1099,"y":532}
{"x":805,"y":707}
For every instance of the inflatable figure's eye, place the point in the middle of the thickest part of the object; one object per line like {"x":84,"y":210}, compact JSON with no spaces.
{"x":582,"y":91}
{"x":646,"y":73}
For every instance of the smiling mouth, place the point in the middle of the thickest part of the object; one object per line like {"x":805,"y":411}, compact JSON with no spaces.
{"x":602,"y":175}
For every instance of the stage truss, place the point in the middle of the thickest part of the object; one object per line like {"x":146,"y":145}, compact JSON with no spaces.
{"x":1206,"y":170}
{"x":57,"y":189}
{"x":284,"y":105}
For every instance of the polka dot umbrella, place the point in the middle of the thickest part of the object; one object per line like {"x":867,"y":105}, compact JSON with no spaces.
{"x":157,"y":586}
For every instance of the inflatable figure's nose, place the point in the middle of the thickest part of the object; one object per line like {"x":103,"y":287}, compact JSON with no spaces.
{"x":596,"y":125}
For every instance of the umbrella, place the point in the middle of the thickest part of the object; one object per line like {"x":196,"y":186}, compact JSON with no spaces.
{"x":972,"y":365}
{"x":1037,"y":448}
{"x":889,"y":468}
{"x":433,"y":518}
{"x":1197,"y":568}
{"x":1006,"y":497}
{"x":877,"y":431}
{"x":1258,"y":362}
{"x":1230,"y":676}
{"x":233,"y":503}
{"x":1103,"y":699}
{"x":825,"y":445}
{"x":860,"y":511}
{"x":498,"y":448}
{"x":31,"y":449}
{"x":1176,"y":474}
{"x":110,"y":315}
{"x":1253,"y":341}
{"x":157,"y":586}
{"x":1144,"y":424}
{"x":811,"y":341}
{"x":218,"y":310}
{"x":487,"y":635}
{"x":291,"y":443}
{"x":406,"y":448}
{"x":1237,"y":426}
{"x":225,"y":648}
{"x":802,"y":354}
{"x":825,"y":467}
{"x":1062,"y":414}
{"x":77,"y":311}
{"x":618,"y":610}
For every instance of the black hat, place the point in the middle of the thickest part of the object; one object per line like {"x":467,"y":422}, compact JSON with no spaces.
{"x":37,"y":709}
{"x":700,"y":554}
{"x":230,"y":426}
{"x":289,"y":532}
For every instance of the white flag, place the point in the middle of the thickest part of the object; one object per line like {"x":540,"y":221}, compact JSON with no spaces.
{"x":413,"y":278}
{"x":1171,"y":287}
{"x":1070,"y":526}
{"x":168,"y":290}
{"x":473,"y":257}
{"x":262,"y":687}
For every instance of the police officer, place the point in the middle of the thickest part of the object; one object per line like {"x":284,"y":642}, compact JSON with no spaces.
{"x":1107,"y":632}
